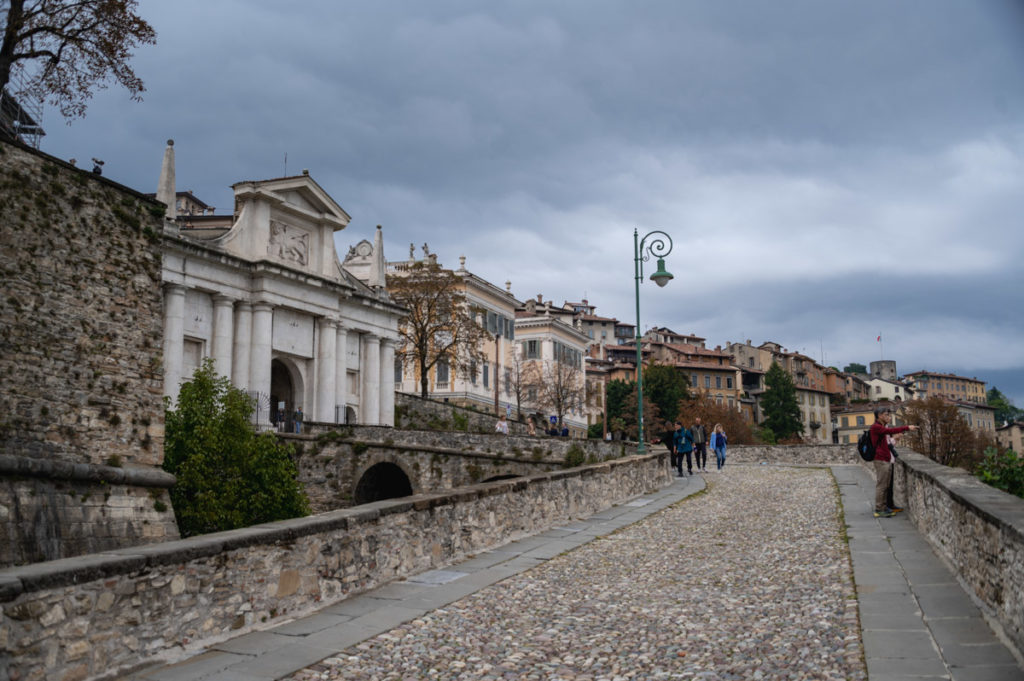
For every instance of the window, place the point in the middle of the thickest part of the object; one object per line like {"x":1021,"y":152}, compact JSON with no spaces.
{"x":707,"y":381}
{"x":693,"y":380}
{"x":750,"y":362}
{"x":472,"y":372}
{"x":442,"y":372}
{"x":728,"y":383}
{"x":398,"y":369}
{"x":860,"y":420}
{"x":846,"y":421}
{"x":718,"y":381}
{"x":487,"y":375}
{"x":531,"y":349}
{"x":508,"y":381}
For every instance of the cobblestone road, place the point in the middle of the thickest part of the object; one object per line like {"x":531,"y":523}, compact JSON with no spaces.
{"x":749,"y":580}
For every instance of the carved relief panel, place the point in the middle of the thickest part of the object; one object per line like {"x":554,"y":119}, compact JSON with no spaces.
{"x":288,"y":243}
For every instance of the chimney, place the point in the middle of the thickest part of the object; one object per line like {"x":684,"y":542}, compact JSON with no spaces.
{"x":540,"y":298}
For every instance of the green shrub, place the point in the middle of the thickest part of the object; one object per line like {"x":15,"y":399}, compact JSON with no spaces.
{"x":228,"y":476}
{"x":575,"y":456}
{"x":1002,"y":470}
{"x":460,"y":421}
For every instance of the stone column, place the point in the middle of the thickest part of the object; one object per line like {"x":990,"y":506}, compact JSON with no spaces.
{"x":223,"y":329}
{"x":327,"y":370}
{"x":243,"y":342}
{"x":369,"y":375}
{"x":341,"y":370}
{"x":174,"y":338}
{"x":260,"y":354}
{"x":387,"y":382}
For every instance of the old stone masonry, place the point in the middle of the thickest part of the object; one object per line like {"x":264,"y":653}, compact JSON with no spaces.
{"x":709,"y":588}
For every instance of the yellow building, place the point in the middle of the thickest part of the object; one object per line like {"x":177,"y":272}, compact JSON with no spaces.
{"x":927,"y":384}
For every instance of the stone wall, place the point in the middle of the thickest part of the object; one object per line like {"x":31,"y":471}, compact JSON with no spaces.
{"x":331,"y":461}
{"x":797,"y":454}
{"x":413,"y":412}
{"x":96,"y":615}
{"x":978,"y":529}
{"x":80,"y":355}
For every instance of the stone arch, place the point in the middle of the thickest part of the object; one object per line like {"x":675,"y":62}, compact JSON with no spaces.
{"x":286,"y":385}
{"x":382,"y":480}
{"x":350,"y":415}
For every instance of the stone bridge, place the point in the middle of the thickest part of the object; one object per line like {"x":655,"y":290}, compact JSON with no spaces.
{"x":341,"y":467}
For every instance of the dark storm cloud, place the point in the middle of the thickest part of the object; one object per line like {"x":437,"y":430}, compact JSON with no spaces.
{"x":811,"y":160}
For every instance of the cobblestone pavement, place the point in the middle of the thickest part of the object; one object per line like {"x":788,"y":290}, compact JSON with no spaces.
{"x":716,"y":587}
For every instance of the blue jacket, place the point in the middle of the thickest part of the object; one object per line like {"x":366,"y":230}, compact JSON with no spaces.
{"x":718,"y":442}
{"x":684,"y":440}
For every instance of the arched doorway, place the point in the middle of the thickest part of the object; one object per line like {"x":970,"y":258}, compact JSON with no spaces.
{"x":282,"y":390}
{"x":350,"y":415}
{"x":382,"y":481}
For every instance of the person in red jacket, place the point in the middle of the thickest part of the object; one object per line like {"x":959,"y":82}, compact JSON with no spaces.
{"x":883,"y":458}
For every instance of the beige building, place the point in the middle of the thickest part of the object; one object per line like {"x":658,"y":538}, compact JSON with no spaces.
{"x":882,"y":389}
{"x":486,"y":384}
{"x":927,"y":384}
{"x":1010,"y":437}
{"x":809,"y":378}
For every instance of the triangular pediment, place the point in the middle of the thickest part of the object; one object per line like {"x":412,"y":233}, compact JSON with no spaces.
{"x":301,"y":194}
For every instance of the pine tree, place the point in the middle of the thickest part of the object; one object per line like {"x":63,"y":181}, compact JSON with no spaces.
{"x":778,"y":404}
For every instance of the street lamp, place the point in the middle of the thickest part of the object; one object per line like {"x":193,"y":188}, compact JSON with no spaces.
{"x":642,"y":251}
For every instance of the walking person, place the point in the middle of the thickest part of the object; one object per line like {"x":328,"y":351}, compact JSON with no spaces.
{"x":297,"y":419}
{"x":700,"y":439}
{"x":883,"y":459}
{"x":684,"y":446}
{"x":718,"y":444}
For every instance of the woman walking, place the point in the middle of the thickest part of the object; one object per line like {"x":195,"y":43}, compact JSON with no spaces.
{"x":718,"y":444}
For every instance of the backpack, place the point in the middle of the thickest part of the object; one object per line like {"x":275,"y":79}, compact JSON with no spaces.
{"x":865,"y":447}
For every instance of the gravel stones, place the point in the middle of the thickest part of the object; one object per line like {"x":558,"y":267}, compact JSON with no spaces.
{"x":748,"y":580}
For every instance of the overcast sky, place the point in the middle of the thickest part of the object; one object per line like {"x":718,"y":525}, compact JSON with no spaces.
{"x":827,"y":171}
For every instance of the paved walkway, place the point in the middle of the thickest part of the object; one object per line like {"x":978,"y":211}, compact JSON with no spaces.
{"x":749,"y":580}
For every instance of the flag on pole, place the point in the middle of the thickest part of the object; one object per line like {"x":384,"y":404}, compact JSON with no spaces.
{"x":879,"y":338}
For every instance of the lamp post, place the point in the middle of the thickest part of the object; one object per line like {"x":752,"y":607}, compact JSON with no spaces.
{"x":659,"y":247}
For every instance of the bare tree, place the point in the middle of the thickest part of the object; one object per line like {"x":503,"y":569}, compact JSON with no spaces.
{"x":519,"y":374}
{"x":440,"y":325}
{"x":559,"y":387}
{"x":66,"y":49}
{"x":943,"y":433}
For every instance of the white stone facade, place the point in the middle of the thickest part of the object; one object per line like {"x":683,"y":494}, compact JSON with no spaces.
{"x":264,"y":294}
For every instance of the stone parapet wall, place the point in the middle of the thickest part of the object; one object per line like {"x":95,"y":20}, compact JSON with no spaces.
{"x":977,"y":529}
{"x":413,"y":412}
{"x":95,"y":615}
{"x":782,"y":454}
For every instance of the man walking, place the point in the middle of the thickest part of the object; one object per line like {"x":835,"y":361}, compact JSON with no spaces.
{"x":684,"y":445}
{"x":880,"y":431}
{"x":700,"y":452}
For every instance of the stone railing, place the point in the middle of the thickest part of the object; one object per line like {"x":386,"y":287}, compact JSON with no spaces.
{"x":106,"y":613}
{"x":418,"y":413}
{"x":977,"y":529}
